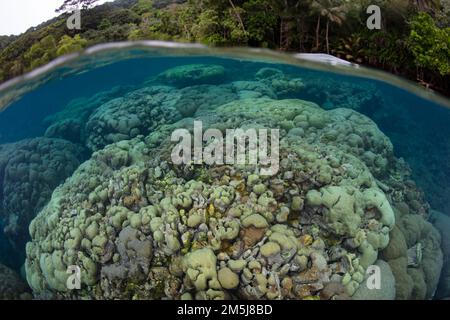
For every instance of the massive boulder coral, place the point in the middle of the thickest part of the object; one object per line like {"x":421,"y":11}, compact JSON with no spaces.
{"x":348,"y":129}
{"x":329,"y":92}
{"x":138,"y":112}
{"x":204,"y":98}
{"x":284,"y":86}
{"x":9,"y":255}
{"x":387,"y":285}
{"x":442,"y":223}
{"x":12,"y":287}
{"x":414,"y":255}
{"x":29,"y":172}
{"x":69,"y":122}
{"x":142,"y":111}
{"x":192,"y":74}
{"x":140,"y":227}
{"x":332,"y":93}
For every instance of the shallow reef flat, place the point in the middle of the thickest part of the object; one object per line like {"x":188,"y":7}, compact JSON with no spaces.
{"x":140,"y":227}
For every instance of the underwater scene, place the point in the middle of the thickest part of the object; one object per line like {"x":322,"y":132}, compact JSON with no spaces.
{"x":186,"y":173}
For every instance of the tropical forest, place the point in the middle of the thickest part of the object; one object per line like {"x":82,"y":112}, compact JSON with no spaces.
{"x":413,"y":40}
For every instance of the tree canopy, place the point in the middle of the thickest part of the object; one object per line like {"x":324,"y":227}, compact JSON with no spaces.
{"x":413,"y":41}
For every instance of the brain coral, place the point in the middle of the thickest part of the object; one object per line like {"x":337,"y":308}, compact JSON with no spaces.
{"x":140,"y":227}
{"x":29,"y":171}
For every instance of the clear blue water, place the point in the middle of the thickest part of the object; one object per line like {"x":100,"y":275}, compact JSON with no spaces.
{"x":417,"y":126}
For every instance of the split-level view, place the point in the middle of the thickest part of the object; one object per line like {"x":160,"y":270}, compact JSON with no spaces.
{"x":94,"y":204}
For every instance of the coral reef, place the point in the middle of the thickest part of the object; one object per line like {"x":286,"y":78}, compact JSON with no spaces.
{"x":285,"y":86}
{"x":192,"y":74}
{"x":330,"y":92}
{"x":12,"y":287}
{"x":204,"y":98}
{"x":335,"y":93}
{"x":138,"y":112}
{"x":69,"y":122}
{"x":414,"y":255}
{"x":387,"y":285}
{"x":9,"y":256}
{"x":29,"y":171}
{"x":140,"y":227}
{"x":113,"y":116}
{"x":442,"y":223}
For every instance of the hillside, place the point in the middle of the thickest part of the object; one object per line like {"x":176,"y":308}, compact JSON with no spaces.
{"x":414,"y":41}
{"x":5,"y":41}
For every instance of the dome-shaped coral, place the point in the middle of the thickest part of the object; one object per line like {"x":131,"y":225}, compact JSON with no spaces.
{"x":139,"y":226}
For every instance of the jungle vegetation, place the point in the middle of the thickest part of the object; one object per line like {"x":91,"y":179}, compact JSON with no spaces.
{"x":414,"y":41}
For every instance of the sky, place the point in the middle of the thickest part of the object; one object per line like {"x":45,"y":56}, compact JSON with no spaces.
{"x":17,"y":16}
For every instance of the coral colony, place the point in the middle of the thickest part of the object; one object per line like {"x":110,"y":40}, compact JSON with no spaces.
{"x":151,"y":215}
{"x":235,"y":146}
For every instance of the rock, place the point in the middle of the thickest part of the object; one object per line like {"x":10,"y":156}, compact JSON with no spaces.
{"x":334,"y":291}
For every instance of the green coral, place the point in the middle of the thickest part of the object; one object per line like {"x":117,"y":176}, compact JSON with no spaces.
{"x":130,"y":218}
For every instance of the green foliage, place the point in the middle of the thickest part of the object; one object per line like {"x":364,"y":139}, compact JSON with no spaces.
{"x":430,"y":44}
{"x":116,"y":32}
{"x":260,"y":21}
{"x":68,"y":44}
{"x":386,"y":50}
{"x":208,"y":27}
{"x":105,"y":24}
{"x":351,"y":49}
{"x":124,"y":16}
{"x":5,"y":41}
{"x":41,"y":52}
{"x":443,"y":15}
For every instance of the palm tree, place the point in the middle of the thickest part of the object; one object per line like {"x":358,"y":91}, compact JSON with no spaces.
{"x":238,"y":16}
{"x":335,"y":11}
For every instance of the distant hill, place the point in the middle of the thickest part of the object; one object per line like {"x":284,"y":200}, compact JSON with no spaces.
{"x":6,"y":40}
{"x":38,"y":45}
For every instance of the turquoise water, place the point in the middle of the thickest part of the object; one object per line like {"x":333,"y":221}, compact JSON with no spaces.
{"x":86,"y":179}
